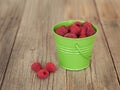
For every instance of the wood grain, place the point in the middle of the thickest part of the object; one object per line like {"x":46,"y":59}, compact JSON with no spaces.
{"x":80,"y":80}
{"x":110,"y":20}
{"x":35,"y":43}
{"x":108,"y":10}
{"x":10,"y":17}
{"x":101,"y":74}
{"x":32,"y":40}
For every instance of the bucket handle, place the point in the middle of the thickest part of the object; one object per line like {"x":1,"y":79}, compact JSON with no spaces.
{"x":78,"y":48}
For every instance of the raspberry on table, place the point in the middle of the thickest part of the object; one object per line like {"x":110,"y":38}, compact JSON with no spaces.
{"x":43,"y":73}
{"x":36,"y":66}
{"x":50,"y":67}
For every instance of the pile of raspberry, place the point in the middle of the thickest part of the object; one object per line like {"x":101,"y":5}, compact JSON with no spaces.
{"x":76,"y":30}
{"x":43,"y":72}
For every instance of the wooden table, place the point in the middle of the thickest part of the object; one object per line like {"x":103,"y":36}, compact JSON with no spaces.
{"x":26,"y":37}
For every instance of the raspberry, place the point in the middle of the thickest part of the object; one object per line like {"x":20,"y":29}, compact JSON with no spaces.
{"x":83,"y":31}
{"x":70,"y":35}
{"x":87,"y":24}
{"x":68,"y":29}
{"x":36,"y":66}
{"x":90,"y":32}
{"x":82,"y":36}
{"x":78,"y":24}
{"x":43,"y":73}
{"x":50,"y":67}
{"x":74,"y":29}
{"x":62,"y":30}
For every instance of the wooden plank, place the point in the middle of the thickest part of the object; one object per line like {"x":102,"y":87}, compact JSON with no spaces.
{"x":108,"y":10}
{"x":56,"y":15}
{"x":78,"y":9}
{"x":35,"y":43}
{"x":110,"y":18}
{"x":101,"y":74}
{"x":10,"y":17}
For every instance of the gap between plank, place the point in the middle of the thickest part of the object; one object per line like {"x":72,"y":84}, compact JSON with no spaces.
{"x":91,"y":77}
{"x":106,"y":41}
{"x":9,"y":58}
{"x":11,"y":50}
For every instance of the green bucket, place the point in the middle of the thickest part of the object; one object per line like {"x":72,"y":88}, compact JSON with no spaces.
{"x":73,"y":54}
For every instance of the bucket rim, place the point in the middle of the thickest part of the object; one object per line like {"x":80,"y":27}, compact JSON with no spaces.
{"x":81,"y":21}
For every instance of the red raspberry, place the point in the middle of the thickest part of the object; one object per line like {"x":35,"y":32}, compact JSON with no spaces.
{"x":36,"y":66}
{"x":90,"y":32}
{"x":62,"y":30}
{"x":68,"y":29}
{"x":87,"y":24}
{"x":70,"y":35}
{"x":82,"y":36}
{"x":78,"y":24}
{"x":83,"y":31}
{"x":43,"y":73}
{"x":50,"y":67}
{"x":74,"y":29}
